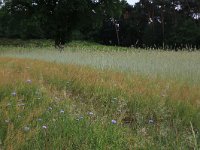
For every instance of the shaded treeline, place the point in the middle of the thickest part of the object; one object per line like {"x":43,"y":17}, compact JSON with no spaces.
{"x":150,"y":23}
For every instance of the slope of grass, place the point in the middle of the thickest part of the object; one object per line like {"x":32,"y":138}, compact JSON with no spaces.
{"x":46,"y":105}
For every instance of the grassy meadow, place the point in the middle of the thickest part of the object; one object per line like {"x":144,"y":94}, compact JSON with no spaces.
{"x":97,"y":97}
{"x":183,"y":66}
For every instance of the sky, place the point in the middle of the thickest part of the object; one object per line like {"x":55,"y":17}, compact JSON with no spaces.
{"x":132,"y":2}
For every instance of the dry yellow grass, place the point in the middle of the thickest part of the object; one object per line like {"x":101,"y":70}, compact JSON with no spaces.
{"x":19,"y":70}
{"x":52,"y":79}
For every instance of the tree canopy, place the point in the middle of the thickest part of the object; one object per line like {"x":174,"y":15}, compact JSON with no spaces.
{"x":150,"y":23}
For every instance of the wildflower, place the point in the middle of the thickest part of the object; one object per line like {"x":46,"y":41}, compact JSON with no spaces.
{"x":44,"y":127}
{"x":50,"y":108}
{"x":90,"y":113}
{"x":114,"y":121}
{"x":26,"y":129}
{"x":151,"y":121}
{"x":28,"y":81}
{"x":13,"y":93}
{"x":62,"y":111}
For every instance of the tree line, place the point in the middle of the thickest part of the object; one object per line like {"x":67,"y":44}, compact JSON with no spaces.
{"x":171,"y":24}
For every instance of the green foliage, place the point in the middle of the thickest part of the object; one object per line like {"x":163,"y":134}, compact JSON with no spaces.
{"x":186,"y":34}
{"x":170,"y":24}
{"x":54,"y":19}
{"x":157,"y":24}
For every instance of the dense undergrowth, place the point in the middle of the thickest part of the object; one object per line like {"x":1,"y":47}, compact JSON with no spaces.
{"x":56,"y":106}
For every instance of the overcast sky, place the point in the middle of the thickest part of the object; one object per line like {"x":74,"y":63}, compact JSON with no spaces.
{"x":132,"y":2}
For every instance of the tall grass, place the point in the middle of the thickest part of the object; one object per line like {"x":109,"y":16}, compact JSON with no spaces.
{"x":96,"y":97}
{"x":57,"y":106}
{"x":183,"y":66}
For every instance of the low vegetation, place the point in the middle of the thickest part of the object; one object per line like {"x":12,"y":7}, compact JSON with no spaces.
{"x":45,"y":105}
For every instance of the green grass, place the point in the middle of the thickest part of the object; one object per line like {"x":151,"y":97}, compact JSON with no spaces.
{"x":63,"y":131}
{"x":183,"y":66}
{"x":153,"y":96}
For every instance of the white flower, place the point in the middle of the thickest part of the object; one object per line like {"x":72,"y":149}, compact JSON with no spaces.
{"x":50,"y":108}
{"x":62,"y":111}
{"x":44,"y":127}
{"x":151,"y":121}
{"x":90,"y":113}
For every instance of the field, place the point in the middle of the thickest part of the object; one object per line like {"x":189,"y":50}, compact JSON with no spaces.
{"x":97,"y":97}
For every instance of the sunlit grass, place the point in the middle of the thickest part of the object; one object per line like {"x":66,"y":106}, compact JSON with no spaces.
{"x":183,"y":66}
{"x":59,"y":106}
